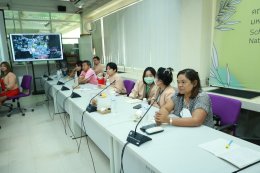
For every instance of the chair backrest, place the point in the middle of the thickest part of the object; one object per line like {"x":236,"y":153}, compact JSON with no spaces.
{"x":129,"y":85}
{"x":227,"y":109}
{"x":26,"y":83}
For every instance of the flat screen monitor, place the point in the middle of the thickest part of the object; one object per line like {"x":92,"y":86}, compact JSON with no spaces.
{"x":36,"y":47}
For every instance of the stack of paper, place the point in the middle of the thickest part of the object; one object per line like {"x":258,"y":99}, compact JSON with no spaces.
{"x":235,"y":154}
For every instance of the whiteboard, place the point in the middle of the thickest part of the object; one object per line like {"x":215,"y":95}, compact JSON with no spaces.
{"x":4,"y":56}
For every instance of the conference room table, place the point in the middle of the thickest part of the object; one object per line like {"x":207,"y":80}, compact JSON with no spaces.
{"x":174,"y":150}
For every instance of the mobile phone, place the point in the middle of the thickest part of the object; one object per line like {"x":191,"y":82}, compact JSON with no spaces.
{"x":144,"y":128}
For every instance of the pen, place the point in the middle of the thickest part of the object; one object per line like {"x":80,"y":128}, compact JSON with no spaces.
{"x":228,"y":145}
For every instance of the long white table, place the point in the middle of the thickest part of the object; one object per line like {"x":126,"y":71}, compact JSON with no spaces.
{"x":174,"y":150}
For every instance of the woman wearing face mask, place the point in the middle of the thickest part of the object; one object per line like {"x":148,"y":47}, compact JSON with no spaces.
{"x":112,"y":76}
{"x":190,"y":103}
{"x":165,"y":91}
{"x":8,"y":82}
{"x":145,"y":88}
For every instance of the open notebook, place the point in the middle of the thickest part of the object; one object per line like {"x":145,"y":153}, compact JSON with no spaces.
{"x":235,"y":154}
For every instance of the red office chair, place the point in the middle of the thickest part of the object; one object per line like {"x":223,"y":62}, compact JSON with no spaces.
{"x":26,"y":91}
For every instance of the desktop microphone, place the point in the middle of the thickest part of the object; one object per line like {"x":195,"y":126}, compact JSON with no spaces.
{"x":138,"y":138}
{"x":48,"y":77}
{"x":92,"y":108}
{"x":59,"y":82}
{"x":75,"y":95}
{"x":63,"y":88}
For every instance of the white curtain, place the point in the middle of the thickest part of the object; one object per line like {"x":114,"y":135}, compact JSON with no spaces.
{"x":3,"y":43}
{"x":144,"y":34}
{"x":97,"y":39}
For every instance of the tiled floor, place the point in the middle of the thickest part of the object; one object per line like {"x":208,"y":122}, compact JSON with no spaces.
{"x":36,"y":144}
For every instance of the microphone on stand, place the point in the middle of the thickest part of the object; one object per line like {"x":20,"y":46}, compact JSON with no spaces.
{"x":59,"y":82}
{"x":64,"y":88}
{"x":76,"y":95}
{"x":92,"y":108}
{"x":73,"y":94}
{"x":138,"y":138}
{"x":48,"y":77}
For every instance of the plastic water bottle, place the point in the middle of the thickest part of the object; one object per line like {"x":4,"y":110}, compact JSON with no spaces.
{"x":144,"y":105}
{"x":144,"y":109}
{"x":58,"y":74}
{"x":76,"y":80}
{"x":107,"y":82}
{"x":113,"y":102}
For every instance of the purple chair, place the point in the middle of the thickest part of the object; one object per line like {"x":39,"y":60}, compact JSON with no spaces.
{"x":26,"y":91}
{"x":129,"y":85}
{"x":226,"y":111}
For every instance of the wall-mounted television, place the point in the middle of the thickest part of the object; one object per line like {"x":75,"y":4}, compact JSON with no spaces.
{"x":36,"y":47}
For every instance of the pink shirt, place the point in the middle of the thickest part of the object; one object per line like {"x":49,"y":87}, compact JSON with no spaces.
{"x":90,"y":75}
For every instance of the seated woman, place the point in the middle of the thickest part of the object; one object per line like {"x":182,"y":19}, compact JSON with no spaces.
{"x":8,"y":82}
{"x":77,"y":69}
{"x":145,"y":88}
{"x":191,"y":104}
{"x":165,"y":91}
{"x":112,"y":76}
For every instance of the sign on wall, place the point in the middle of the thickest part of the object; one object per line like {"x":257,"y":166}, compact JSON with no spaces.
{"x":236,"y":45}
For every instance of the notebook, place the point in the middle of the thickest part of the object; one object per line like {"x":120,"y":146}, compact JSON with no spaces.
{"x":235,"y":154}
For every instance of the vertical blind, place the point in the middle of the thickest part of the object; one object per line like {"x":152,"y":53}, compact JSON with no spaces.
{"x":141,"y":35}
{"x":3,"y":43}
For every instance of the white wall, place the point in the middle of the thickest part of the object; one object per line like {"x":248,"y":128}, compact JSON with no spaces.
{"x":196,"y":28}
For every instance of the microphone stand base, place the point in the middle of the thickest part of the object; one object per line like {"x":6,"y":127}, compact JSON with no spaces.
{"x":137,"y":138}
{"x":75,"y":95}
{"x":91,"y":108}
{"x":60,"y":83}
{"x":63,"y":88}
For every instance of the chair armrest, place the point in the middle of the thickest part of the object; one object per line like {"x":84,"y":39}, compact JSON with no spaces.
{"x":227,"y":126}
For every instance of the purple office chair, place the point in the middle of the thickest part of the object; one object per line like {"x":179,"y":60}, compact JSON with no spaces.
{"x":26,"y":91}
{"x":129,"y":85}
{"x":226,"y":112}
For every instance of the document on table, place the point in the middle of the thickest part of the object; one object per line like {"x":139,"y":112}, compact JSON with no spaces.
{"x":235,"y":154}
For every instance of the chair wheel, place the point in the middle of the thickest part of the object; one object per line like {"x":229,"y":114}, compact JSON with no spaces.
{"x":23,"y":114}
{"x":32,"y":110}
{"x":8,"y":115}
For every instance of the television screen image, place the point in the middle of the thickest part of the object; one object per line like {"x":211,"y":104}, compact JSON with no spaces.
{"x":36,"y":47}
